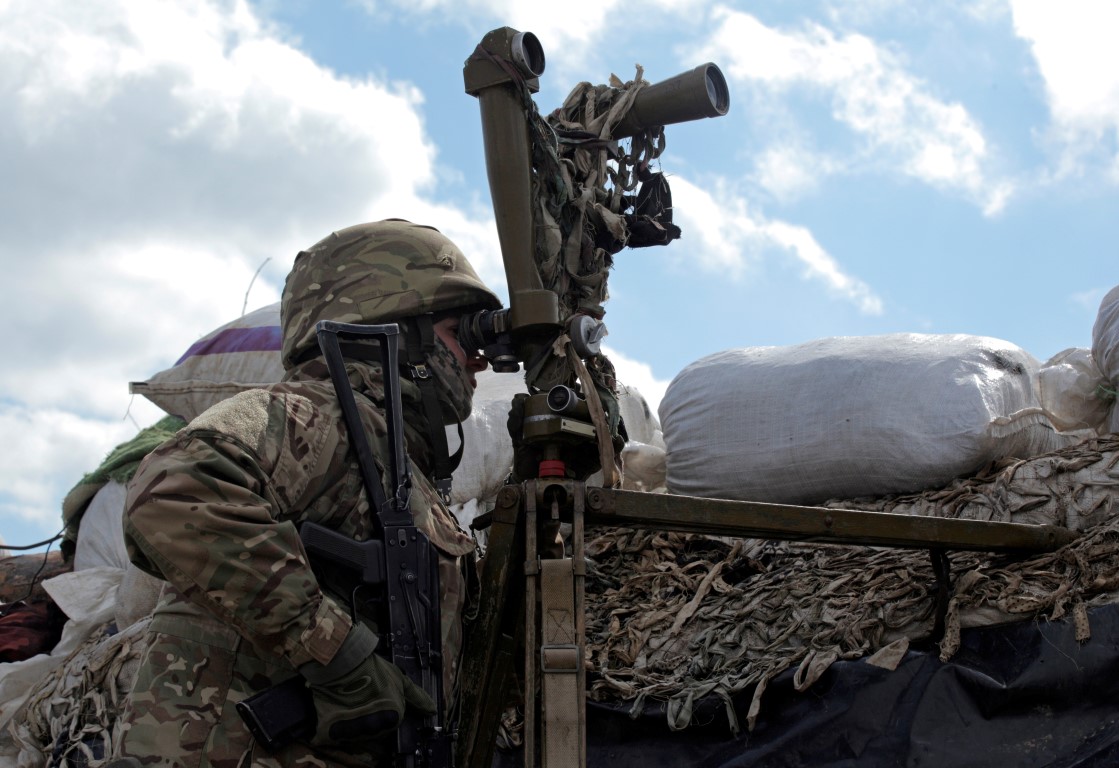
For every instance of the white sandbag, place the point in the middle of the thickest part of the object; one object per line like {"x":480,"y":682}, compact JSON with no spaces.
{"x":243,"y":354}
{"x":850,"y":416}
{"x":1069,"y":389}
{"x":136,"y":597}
{"x":641,"y":425}
{"x":488,"y":457}
{"x":101,"y":545}
{"x":101,"y":532}
{"x":1105,"y":351}
{"x":643,"y":467}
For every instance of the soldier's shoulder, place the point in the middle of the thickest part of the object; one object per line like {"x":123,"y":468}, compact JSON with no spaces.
{"x":258,"y":417}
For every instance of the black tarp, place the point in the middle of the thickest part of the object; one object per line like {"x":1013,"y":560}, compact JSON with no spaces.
{"x":1023,"y":695}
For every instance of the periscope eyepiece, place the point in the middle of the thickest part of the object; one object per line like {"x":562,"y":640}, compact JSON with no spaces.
{"x":528,"y":54}
{"x":490,"y":331}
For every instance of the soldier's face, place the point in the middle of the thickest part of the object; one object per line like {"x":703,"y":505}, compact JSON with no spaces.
{"x":472,"y":362}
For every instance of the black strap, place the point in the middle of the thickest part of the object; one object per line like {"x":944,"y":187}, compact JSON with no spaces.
{"x":420,"y":345}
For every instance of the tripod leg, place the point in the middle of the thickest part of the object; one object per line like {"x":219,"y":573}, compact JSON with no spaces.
{"x":531,"y":595}
{"x":492,"y":640}
{"x":561,"y":654}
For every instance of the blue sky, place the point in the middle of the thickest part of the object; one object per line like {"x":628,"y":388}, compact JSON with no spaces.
{"x":885,"y":167}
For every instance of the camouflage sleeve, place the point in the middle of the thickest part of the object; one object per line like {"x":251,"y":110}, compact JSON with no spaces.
{"x":210,"y":511}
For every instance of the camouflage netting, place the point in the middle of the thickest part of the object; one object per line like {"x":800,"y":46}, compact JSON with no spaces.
{"x":582,"y":189}
{"x":1077,"y":488}
{"x":675,"y":617}
{"x":74,"y":713}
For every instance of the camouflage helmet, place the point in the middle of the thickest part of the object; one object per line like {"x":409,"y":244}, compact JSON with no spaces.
{"x":375,"y":273}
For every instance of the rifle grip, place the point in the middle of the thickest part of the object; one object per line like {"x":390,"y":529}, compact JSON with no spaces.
{"x":365,"y":557}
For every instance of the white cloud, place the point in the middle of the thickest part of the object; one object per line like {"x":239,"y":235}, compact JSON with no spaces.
{"x":860,"y":12}
{"x":732,"y":237}
{"x":570,"y":32}
{"x":186,"y":117}
{"x":35,"y":468}
{"x":790,"y":171}
{"x":898,"y":120}
{"x":1074,"y":46}
{"x":155,"y":153}
{"x":1089,"y":300}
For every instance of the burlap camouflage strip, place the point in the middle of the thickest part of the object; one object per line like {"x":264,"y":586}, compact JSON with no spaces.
{"x":675,"y":617}
{"x":75,"y":711}
{"x":1073,"y":487}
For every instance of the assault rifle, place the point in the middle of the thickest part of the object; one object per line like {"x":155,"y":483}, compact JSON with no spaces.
{"x":392,"y":577}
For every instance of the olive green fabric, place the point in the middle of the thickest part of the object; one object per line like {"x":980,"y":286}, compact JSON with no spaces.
{"x":360,"y":695}
{"x":119,"y":465}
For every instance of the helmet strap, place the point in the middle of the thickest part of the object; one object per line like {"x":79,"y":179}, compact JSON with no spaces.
{"x":420,"y":344}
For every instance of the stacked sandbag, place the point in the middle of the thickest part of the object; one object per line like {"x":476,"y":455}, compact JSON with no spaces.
{"x":242,"y":354}
{"x":850,"y":416}
{"x":101,"y":544}
{"x":488,"y":454}
{"x":1069,"y":389}
{"x":93,"y":512}
{"x":643,"y":457}
{"x":675,"y":617}
{"x":1077,"y":387}
{"x":1105,"y":352}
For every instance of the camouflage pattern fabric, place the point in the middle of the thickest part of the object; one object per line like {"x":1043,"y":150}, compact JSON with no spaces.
{"x":214,"y":511}
{"x":375,"y":273}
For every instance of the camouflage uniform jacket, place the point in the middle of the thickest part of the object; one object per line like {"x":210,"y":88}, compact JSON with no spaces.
{"x":214,"y":512}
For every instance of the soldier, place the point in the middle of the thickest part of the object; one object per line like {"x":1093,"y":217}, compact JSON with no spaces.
{"x":214,"y":512}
